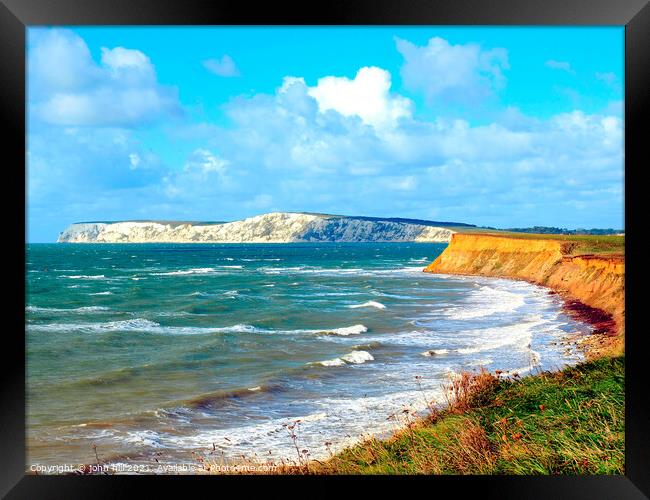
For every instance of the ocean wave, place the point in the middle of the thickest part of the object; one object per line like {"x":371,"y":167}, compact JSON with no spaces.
{"x":399,"y":270}
{"x":421,"y":338}
{"x":485,"y":301}
{"x":182,"y":272}
{"x":84,"y":277}
{"x":341,"y":421}
{"x":394,"y":295}
{"x":146,"y":437}
{"x":345,"y":331}
{"x":201,"y":294}
{"x":140,"y":325}
{"x":271,"y":435}
{"x":339,"y":271}
{"x":101,"y":293}
{"x":370,"y":303}
{"x":516,"y":335}
{"x":435,"y":352}
{"x":354,"y":357}
{"x":211,"y":399}
{"x":332,"y":362}
{"x":86,"y":309}
{"x":172,"y":314}
{"x":357,"y":357}
{"x":147,"y":326}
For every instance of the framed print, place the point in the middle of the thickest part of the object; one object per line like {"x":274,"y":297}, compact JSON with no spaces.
{"x":369,"y":243}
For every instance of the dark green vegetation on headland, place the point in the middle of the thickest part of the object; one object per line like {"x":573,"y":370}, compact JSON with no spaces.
{"x":558,"y":230}
{"x":566,"y":422}
{"x":422,"y":222}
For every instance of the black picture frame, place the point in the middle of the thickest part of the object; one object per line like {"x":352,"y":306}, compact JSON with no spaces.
{"x":17,"y":15}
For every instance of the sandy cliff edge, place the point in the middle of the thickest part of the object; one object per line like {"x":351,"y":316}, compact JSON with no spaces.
{"x":593,"y":286}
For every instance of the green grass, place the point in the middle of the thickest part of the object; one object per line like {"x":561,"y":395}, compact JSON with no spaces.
{"x":567,"y":422}
{"x":582,"y":243}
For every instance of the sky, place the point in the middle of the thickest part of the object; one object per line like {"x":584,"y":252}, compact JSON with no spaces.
{"x":495,"y":126}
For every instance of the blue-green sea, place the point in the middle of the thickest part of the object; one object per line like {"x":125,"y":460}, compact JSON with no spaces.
{"x":161,"y":353}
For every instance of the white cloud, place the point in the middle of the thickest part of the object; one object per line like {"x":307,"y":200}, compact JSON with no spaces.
{"x":289,"y":81}
{"x":561,"y":65}
{"x":70,"y":89}
{"x":205,"y":162}
{"x":222,"y":67}
{"x":58,"y":61}
{"x":286,"y":145}
{"x":343,"y":144}
{"x":457,"y":73}
{"x":119,"y":57}
{"x":134,"y":160}
{"x":366,"y":96}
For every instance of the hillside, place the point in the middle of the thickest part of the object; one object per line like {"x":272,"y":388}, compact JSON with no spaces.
{"x":277,"y":227}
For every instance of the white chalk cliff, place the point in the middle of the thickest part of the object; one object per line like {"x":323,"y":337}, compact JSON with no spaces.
{"x":277,"y":227}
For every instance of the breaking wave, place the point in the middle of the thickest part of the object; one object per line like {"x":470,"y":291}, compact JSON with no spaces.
{"x":370,"y":303}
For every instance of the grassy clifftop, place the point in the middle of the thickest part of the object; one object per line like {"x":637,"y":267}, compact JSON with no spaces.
{"x":567,"y":422}
{"x":575,"y":244}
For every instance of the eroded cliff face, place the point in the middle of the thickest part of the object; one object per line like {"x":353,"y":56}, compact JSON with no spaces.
{"x":277,"y":227}
{"x":595,"y":280}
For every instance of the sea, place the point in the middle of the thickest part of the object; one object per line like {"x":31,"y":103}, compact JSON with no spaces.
{"x":143,"y":354}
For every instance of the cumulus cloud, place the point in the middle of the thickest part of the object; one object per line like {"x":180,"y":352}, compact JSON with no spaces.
{"x":58,"y":61}
{"x":343,"y":144}
{"x":289,"y":144}
{"x":457,"y":73}
{"x":205,"y":162}
{"x":223,"y":67}
{"x":66,"y":87}
{"x":561,"y":65}
{"x":367,"y":96}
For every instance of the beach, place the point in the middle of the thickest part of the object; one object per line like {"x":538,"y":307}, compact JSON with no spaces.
{"x":166,"y":352}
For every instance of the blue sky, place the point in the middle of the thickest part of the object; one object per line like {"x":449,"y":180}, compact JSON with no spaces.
{"x":493,"y":126}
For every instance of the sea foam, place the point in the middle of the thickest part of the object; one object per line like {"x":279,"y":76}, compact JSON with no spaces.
{"x":370,"y":303}
{"x":486,"y":301}
{"x":345,"y":331}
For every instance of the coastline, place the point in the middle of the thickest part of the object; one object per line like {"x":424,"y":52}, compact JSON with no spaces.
{"x":602,"y":344}
{"x":592,"y":290}
{"x":591,"y":285}
{"x":604,"y":325}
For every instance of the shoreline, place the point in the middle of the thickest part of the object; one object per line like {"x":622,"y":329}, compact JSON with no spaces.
{"x":599,"y":342}
{"x":590,"y":284}
{"x":487,"y":256}
{"x":593,"y":346}
{"x":238,"y":465}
